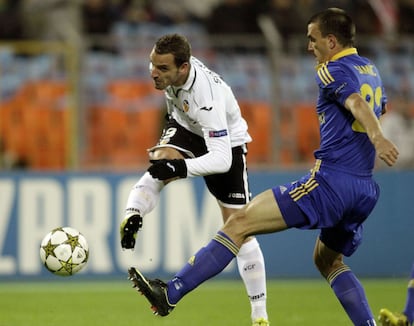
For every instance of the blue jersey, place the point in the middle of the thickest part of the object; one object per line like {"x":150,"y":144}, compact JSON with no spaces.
{"x":343,"y":141}
{"x":339,"y":193}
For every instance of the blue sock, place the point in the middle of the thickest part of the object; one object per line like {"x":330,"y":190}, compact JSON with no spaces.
{"x":351,"y":295}
{"x":206,"y":263}
{"x":409,"y":304}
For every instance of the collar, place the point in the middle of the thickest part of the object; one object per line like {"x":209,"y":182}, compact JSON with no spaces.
{"x":189,"y":82}
{"x":344,"y":53}
{"x":340,"y":54}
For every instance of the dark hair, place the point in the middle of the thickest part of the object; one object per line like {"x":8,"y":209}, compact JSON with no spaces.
{"x":335,"y":21}
{"x":175,"y":44}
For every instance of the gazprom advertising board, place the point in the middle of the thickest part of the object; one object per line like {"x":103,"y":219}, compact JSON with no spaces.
{"x":186,"y":217}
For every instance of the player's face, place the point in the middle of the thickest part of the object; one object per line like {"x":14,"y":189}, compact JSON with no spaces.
{"x":319,"y":45}
{"x":165,"y":73}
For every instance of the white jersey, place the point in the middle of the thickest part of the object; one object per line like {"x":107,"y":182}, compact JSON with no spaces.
{"x":206,"y":106}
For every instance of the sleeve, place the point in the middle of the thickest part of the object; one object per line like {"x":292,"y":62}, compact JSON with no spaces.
{"x":336,"y":82}
{"x":216,"y":134}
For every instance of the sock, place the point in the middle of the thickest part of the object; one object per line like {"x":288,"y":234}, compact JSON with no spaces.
{"x":409,"y":304}
{"x":351,"y":295}
{"x":251,"y":266}
{"x":206,"y":263}
{"x":145,"y":193}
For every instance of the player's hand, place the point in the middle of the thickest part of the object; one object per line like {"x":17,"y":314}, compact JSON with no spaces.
{"x":387,"y":151}
{"x":168,"y":169}
{"x":129,"y":228}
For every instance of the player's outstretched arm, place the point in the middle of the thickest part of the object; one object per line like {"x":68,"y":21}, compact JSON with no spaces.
{"x":362,"y":112}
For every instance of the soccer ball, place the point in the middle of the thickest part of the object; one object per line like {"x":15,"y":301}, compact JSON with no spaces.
{"x":64,"y":251}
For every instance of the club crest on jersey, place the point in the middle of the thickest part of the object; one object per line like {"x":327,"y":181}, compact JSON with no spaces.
{"x":217,"y":133}
{"x":186,"y":106}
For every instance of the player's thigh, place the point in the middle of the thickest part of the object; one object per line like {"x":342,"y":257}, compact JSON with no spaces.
{"x":169,"y":153}
{"x":261,"y":215}
{"x":226,"y":212}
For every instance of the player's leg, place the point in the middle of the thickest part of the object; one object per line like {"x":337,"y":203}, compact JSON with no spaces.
{"x":407,"y":316}
{"x":143,"y":197}
{"x":261,"y":215}
{"x":232,"y":192}
{"x":175,"y":143}
{"x":145,"y":193}
{"x":251,"y":267}
{"x":344,"y":283}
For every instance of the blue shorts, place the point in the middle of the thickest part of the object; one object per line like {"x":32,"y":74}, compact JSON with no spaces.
{"x":333,"y":201}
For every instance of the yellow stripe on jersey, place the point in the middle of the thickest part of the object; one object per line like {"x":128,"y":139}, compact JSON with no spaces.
{"x":227,"y":243}
{"x":325,"y":75}
{"x":304,"y":189}
{"x":316,"y":167}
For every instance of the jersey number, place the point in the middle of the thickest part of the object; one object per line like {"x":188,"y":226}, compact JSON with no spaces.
{"x":373,"y":99}
{"x":167,"y":135}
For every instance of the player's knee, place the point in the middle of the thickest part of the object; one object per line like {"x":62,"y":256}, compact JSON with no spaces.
{"x":163,"y":153}
{"x":320,"y":264}
{"x":326,"y":266}
{"x":235,"y":225}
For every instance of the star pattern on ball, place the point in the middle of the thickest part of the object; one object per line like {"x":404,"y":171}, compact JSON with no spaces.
{"x":67,"y":266}
{"x":72,"y":241}
{"x":49,"y":248}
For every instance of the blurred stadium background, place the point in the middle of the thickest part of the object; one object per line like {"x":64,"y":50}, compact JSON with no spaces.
{"x":78,"y":111}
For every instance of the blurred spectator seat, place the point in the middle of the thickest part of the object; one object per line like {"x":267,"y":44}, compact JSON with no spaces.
{"x":307,"y":130}
{"x":34,"y":124}
{"x":121,"y":137}
{"x":259,"y":119}
{"x":12,"y":129}
{"x":127,"y":90}
{"x":47,"y":129}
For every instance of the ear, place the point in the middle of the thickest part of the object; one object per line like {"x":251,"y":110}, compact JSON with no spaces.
{"x":184,"y":67}
{"x":332,"y":41}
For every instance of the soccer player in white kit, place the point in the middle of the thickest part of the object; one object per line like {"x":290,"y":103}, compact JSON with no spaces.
{"x":204,"y":135}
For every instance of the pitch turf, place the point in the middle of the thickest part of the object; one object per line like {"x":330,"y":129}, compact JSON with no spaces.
{"x":115,"y":303}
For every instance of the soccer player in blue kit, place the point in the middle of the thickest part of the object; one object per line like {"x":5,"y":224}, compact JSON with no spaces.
{"x":336,"y":196}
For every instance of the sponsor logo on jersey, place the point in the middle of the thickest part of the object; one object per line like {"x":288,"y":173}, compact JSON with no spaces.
{"x":204,"y":108}
{"x":217,"y":133}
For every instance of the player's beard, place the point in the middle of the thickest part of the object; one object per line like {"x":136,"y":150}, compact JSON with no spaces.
{"x":158,"y":85}
{"x":163,"y":83}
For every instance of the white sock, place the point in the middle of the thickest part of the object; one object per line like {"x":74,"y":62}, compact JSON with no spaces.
{"x":251,"y":266}
{"x":145,"y":194}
